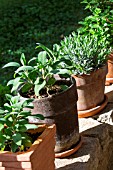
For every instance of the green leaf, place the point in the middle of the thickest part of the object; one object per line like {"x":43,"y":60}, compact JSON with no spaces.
{"x":64,"y":87}
{"x":8,"y":132}
{"x":38,"y":87}
{"x":22,"y":59}
{"x":49,"y":52}
{"x":1,"y":126}
{"x":2,"y":121}
{"x":7,"y":107}
{"x":9,"y":122}
{"x":16,"y":83}
{"x":28,"y":103}
{"x":22,"y":128}
{"x":8,"y":97}
{"x":2,"y":138}
{"x":31,"y":126}
{"x":22,"y":121}
{"x":1,"y":111}
{"x":39,"y":116}
{"x":25,"y":113}
{"x":26,"y":87}
{"x":27,"y":143}
{"x":15,"y":99}
{"x":32,"y":59}
{"x":17,"y":139}
{"x":61,"y":71}
{"x":23,"y":68}
{"x":14,"y":147}
{"x":12,"y":64}
{"x":42,"y":57}
{"x":51,"y":81}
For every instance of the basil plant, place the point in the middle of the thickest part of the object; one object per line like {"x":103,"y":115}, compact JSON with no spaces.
{"x":14,"y":124}
{"x":37,"y":73}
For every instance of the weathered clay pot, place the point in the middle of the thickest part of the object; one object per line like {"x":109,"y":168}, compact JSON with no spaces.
{"x":40,"y":156}
{"x":61,"y":109}
{"x":90,"y":89}
{"x":109,"y":76}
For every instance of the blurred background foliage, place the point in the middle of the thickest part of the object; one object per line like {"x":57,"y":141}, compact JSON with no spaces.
{"x":24,"y":23}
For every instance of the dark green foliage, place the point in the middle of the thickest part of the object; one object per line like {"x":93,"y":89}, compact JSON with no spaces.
{"x":23,"y":23}
{"x":3,"y":90}
{"x":14,"y":124}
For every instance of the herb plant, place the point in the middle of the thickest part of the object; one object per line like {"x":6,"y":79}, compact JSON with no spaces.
{"x":83,"y":54}
{"x":38,"y":73}
{"x":95,"y":25}
{"x":101,"y":17}
{"x":14,"y":124}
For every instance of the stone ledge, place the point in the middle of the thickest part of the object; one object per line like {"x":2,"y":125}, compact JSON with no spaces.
{"x":96,"y":152}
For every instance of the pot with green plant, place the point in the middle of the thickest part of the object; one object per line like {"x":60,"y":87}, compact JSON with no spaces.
{"x":23,"y":145}
{"x":86,"y":58}
{"x":100,"y":22}
{"x":55,"y":97}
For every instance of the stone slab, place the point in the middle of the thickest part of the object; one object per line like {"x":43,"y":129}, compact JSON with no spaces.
{"x":96,"y":152}
{"x":86,"y":158}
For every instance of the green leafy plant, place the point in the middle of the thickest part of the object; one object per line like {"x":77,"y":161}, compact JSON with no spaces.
{"x":101,"y":19}
{"x":95,"y":25}
{"x":38,"y":73}
{"x":14,"y":124}
{"x":83,"y":54}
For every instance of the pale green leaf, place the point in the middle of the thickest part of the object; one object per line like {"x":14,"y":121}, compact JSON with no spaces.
{"x":42,"y":57}
{"x":11,"y":64}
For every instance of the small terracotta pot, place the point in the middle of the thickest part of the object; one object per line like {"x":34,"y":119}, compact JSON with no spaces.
{"x":40,"y":156}
{"x":109,"y":76}
{"x":90,"y":89}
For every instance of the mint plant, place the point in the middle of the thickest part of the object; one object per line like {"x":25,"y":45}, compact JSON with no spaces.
{"x":95,"y":25}
{"x":14,"y":124}
{"x":37,"y":74}
{"x":101,"y":17}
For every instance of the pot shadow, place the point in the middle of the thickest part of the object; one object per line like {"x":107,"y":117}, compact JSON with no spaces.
{"x":108,"y":110}
{"x":93,"y":139}
{"x":109,"y":92}
{"x":110,"y":96}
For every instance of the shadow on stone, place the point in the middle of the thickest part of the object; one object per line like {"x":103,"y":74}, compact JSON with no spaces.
{"x":96,"y":150}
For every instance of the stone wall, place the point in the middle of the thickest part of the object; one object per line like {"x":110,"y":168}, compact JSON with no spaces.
{"x":96,"y":152}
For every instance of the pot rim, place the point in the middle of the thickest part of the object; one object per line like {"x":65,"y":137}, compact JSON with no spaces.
{"x":92,"y":72}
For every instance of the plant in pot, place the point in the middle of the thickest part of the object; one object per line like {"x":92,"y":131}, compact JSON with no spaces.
{"x":55,"y":97}
{"x":22,"y":145}
{"x":87,"y":61}
{"x":104,"y":21}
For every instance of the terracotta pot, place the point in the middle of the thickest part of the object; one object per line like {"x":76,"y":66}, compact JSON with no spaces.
{"x":61,"y":109}
{"x":109,"y":76}
{"x":40,"y":156}
{"x":90,"y":89}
